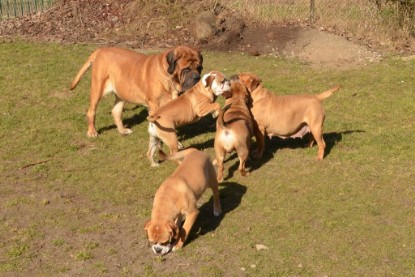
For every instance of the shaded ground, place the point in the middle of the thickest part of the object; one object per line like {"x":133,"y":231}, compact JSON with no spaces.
{"x":139,"y":25}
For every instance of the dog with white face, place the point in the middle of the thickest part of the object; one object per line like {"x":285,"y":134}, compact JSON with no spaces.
{"x":186,"y":109}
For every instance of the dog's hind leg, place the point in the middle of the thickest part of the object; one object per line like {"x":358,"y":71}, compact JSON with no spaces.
{"x":318,"y":136}
{"x":153,"y":145}
{"x":94,"y":98}
{"x":259,"y":133}
{"x":116,"y":114}
{"x":170,"y":139}
{"x":220,"y":156}
{"x":243,"y":156}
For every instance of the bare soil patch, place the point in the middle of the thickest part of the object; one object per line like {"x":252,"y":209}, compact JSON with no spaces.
{"x":140,"y":25}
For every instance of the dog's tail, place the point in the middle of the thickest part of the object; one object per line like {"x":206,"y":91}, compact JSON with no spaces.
{"x":327,"y":93}
{"x":176,"y":156}
{"x":221,"y":121}
{"x":84,"y":68}
{"x":153,"y":117}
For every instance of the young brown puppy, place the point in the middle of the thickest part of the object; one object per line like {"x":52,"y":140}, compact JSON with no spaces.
{"x":187,"y":108}
{"x":176,"y":199}
{"x":149,"y":80}
{"x":234,"y":128}
{"x":286,"y":116}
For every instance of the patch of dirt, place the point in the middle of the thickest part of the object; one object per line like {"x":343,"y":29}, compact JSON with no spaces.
{"x":307,"y":44}
{"x":137,"y":24}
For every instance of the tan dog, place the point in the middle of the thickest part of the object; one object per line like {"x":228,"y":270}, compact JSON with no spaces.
{"x":176,"y":199}
{"x":286,"y":116}
{"x":234,"y":128}
{"x":136,"y":78}
{"x":188,"y":108}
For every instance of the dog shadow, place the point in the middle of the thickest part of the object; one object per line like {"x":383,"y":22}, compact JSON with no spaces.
{"x":276,"y":143}
{"x":130,"y":122}
{"x":233,"y":167}
{"x":205,"y":125}
{"x":231,"y":194}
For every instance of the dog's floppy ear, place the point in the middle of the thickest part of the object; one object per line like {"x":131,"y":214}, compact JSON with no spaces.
{"x":209,"y":80}
{"x":227,"y":94}
{"x":255,"y":82}
{"x":171,"y":60}
{"x":147,"y":225}
{"x":174,"y":231}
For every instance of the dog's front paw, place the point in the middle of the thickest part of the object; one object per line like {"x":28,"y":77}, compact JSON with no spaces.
{"x":126,"y":132}
{"x":257,"y":154}
{"x":92,"y":134}
{"x":154,"y":164}
{"x":180,"y":145}
{"x":217,"y":212}
{"x":176,"y":248}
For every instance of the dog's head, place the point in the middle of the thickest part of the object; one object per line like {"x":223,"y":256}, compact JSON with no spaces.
{"x":238,"y":90}
{"x":185,"y":65}
{"x":249,"y":80}
{"x":162,"y":236}
{"x":217,"y":82}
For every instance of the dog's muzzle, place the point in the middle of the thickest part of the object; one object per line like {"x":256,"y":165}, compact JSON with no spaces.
{"x":190,"y":80}
{"x":161,"y":249}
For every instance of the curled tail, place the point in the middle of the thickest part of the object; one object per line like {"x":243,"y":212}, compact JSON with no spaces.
{"x":175,"y":156}
{"x":84,"y":68}
{"x":153,"y":117}
{"x":327,"y":93}
{"x":221,"y":121}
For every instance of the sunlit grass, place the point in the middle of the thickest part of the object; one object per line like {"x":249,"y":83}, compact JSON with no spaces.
{"x":349,"y":215}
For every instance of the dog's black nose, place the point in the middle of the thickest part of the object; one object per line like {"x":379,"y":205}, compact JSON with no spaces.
{"x":158,"y":249}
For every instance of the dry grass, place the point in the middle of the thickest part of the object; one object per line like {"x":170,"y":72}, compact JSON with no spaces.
{"x":358,"y":19}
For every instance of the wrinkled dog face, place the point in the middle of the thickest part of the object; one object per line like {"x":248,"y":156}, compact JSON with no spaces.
{"x":217,"y":82}
{"x":238,"y":90}
{"x":162,"y":236}
{"x":185,"y":64}
{"x":250,"y":81}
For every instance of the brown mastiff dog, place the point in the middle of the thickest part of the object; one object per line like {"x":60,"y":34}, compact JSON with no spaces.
{"x":149,"y":80}
{"x":288,"y":116}
{"x":186,"y":109}
{"x":234,"y":128}
{"x":176,"y":200}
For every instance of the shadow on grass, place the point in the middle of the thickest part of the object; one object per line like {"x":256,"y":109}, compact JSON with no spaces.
{"x":205,"y":125}
{"x":272,"y":145}
{"x":231,"y":194}
{"x":136,"y":119}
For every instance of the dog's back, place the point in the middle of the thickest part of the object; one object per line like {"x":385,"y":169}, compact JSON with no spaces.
{"x":234,"y":124}
{"x":195,"y":169}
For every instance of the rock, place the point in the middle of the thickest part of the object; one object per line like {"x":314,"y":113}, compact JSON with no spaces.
{"x":261,"y":247}
{"x":204,"y":26}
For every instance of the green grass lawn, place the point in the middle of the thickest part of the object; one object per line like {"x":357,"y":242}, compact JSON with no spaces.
{"x":75,"y":206}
